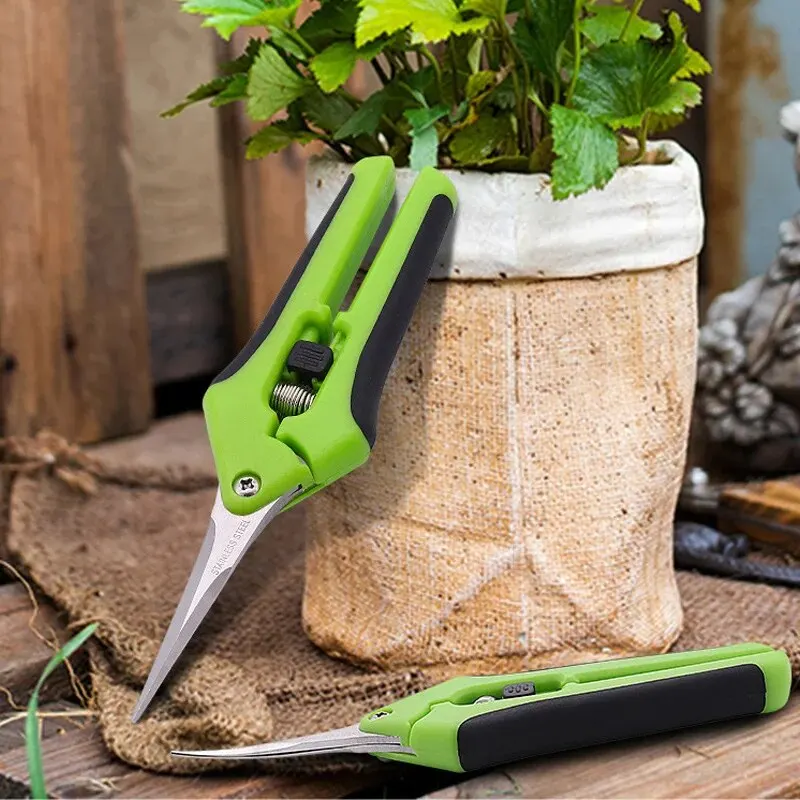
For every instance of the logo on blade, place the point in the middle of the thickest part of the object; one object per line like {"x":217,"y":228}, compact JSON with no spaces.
{"x":230,"y":547}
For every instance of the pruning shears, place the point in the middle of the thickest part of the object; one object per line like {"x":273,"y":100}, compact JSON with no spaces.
{"x":468,"y":724}
{"x":297,"y":408}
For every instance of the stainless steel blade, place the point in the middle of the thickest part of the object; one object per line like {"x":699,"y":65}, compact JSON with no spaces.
{"x":227,"y":540}
{"x":342,"y":740}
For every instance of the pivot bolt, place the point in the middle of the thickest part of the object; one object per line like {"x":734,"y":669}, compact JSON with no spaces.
{"x":246,"y":486}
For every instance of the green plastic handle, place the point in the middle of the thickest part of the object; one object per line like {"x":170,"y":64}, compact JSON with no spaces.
{"x":244,"y":431}
{"x":336,"y":434}
{"x":434,"y":722}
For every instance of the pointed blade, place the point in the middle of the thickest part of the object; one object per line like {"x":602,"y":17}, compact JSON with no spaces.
{"x":342,"y":740}
{"x":227,"y":539}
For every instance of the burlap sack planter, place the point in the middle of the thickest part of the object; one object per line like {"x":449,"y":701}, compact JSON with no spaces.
{"x":517,"y":507}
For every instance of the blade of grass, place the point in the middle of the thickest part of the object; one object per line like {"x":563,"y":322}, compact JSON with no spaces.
{"x":33,"y":745}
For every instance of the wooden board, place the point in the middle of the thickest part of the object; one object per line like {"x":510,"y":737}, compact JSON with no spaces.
{"x":176,"y":162}
{"x":73,"y":333}
{"x":748,"y":758}
{"x":23,"y":654}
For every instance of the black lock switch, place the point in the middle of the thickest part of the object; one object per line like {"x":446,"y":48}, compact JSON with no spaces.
{"x":310,"y":360}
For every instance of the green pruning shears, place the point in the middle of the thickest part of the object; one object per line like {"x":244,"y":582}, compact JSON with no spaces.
{"x":297,"y":408}
{"x":469,"y":724}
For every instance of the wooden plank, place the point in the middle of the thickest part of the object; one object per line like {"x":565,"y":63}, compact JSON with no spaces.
{"x":747,"y":758}
{"x":12,"y":732}
{"x":73,"y":335}
{"x":265,"y":213}
{"x":77,"y":764}
{"x":176,"y":162}
{"x":188,"y":315}
{"x":24,"y":654}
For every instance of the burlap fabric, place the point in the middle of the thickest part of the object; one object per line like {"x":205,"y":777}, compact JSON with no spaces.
{"x":517,"y":506}
{"x":115,"y":545}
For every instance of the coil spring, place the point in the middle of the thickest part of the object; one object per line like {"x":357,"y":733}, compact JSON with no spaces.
{"x":289,"y":399}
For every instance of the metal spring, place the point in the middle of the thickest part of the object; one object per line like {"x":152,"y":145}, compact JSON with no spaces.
{"x":289,"y":399}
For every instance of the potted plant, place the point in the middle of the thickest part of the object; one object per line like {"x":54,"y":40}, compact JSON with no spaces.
{"x":518,"y":506}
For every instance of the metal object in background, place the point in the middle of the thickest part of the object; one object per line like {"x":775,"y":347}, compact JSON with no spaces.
{"x":452,"y":726}
{"x":753,"y":46}
{"x":265,"y":463}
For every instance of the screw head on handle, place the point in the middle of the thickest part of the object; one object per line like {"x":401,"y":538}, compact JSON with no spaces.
{"x":246,"y":485}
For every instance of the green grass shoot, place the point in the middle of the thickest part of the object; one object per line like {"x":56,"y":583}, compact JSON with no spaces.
{"x":33,"y":745}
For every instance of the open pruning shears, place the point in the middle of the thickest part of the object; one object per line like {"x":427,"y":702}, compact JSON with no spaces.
{"x":470,"y":724}
{"x":297,"y":408}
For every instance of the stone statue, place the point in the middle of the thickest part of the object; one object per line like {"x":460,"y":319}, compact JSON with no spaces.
{"x":747,"y":405}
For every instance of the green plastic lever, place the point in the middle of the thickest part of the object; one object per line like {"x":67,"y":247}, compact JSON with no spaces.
{"x":335,"y":435}
{"x":475,"y":723}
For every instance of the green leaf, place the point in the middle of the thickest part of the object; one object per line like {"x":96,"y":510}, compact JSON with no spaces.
{"x":474,"y":54}
{"x":607,"y":23}
{"x":421,"y":118}
{"x":33,"y":745}
{"x":334,"y":20}
{"x":479,"y":82}
{"x":235,"y":90}
{"x":371,"y":50}
{"x":243,"y":62}
{"x":481,"y":140}
{"x":540,"y":38}
{"x":332,"y":67}
{"x":494,"y":9}
{"x":203,"y":92}
{"x":620,"y":82}
{"x":695,"y":64}
{"x":227,"y":16}
{"x":273,"y":85}
{"x":693,"y":4}
{"x":329,"y":112}
{"x":274,"y":137}
{"x":586,"y":152}
{"x":365,"y":119}
{"x":282,"y":40}
{"x":424,"y":148}
{"x":429,"y":20}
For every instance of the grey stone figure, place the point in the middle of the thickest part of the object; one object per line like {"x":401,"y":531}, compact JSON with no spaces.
{"x":747,"y":404}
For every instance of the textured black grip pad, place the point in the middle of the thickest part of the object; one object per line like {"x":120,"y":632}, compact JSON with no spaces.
{"x":392,"y":323}
{"x":610,"y":715}
{"x":285,"y":293}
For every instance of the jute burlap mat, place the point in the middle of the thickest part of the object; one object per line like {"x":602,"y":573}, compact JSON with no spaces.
{"x":115,"y":544}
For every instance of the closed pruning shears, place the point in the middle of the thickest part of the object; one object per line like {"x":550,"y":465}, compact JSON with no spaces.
{"x":297,"y":408}
{"x":470,"y":724}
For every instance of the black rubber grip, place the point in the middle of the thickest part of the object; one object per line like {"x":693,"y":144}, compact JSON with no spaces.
{"x":610,"y":715}
{"x":285,"y":293}
{"x":392,"y":323}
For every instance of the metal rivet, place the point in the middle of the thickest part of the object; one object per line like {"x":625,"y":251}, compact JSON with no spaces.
{"x":246,"y":486}
{"x":380,"y":714}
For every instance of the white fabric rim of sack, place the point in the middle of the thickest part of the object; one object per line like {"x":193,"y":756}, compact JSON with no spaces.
{"x":648,"y":216}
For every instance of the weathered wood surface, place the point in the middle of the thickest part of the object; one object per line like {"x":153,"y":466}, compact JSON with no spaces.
{"x":747,"y":758}
{"x":189,"y":315}
{"x":23,"y":653}
{"x":176,"y":162}
{"x":73,"y":332}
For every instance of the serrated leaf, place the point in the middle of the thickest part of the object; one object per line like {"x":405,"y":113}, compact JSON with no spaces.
{"x":494,"y":9}
{"x":227,"y":16}
{"x":329,"y":112}
{"x":282,"y":40}
{"x":503,"y":96}
{"x":235,"y":90}
{"x":695,"y":64}
{"x":479,"y":83}
{"x":373,"y":49}
{"x":273,"y":85}
{"x":243,"y":62}
{"x":620,"y":82}
{"x":607,"y":23}
{"x":333,"y":66}
{"x":203,"y":92}
{"x":481,"y":140}
{"x":586,"y":152}
{"x":693,"y":4}
{"x":424,"y":148}
{"x":429,"y":20}
{"x":421,"y":118}
{"x":274,"y":137}
{"x":540,"y":38}
{"x":332,"y":21}
{"x":365,"y":119}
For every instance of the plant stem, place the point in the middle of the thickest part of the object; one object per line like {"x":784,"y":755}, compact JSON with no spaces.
{"x":384,"y":78}
{"x":423,"y":50}
{"x":453,"y":70}
{"x":293,"y":34}
{"x":576,"y":44}
{"x":522,"y":102}
{"x":641,"y":138}
{"x":637,"y":7}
